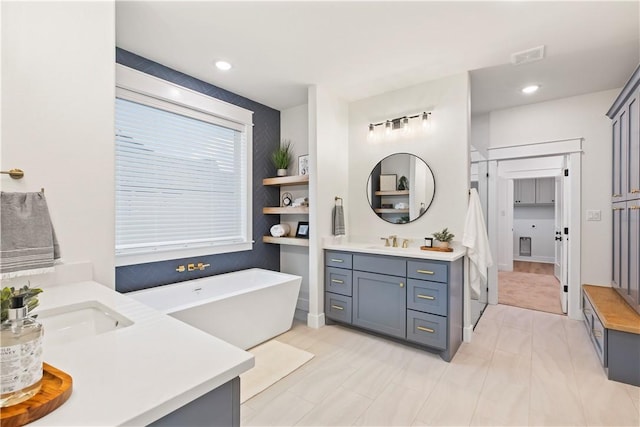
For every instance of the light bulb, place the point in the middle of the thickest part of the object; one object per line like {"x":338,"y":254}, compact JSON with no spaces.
{"x":425,"y":120}
{"x":387,"y":127}
{"x":405,"y":124}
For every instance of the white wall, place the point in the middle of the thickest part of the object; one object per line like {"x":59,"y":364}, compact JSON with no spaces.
{"x":480,"y":133}
{"x":58,"y":82}
{"x":444,"y":147}
{"x":294,"y":126}
{"x":328,"y":140}
{"x":537,"y":222}
{"x":575,"y":117}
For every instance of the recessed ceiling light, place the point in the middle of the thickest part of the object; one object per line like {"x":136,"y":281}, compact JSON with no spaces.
{"x":223,"y":65}
{"x":530,"y":89}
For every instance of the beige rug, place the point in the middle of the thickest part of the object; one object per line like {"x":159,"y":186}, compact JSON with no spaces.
{"x":273,"y":361}
{"x":529,"y":290}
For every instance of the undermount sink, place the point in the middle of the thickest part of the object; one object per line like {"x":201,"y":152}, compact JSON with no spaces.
{"x":76,"y":321}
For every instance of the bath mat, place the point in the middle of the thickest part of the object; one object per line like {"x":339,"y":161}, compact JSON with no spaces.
{"x":274,"y":361}
{"x":539,"y":292}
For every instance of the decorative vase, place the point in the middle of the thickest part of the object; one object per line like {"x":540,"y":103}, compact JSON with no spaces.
{"x":443,"y":245}
{"x":281,"y":172}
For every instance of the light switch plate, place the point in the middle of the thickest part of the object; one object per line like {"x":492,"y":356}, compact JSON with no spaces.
{"x":594,"y":215}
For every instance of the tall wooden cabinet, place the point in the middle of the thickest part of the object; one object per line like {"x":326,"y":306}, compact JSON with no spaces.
{"x":625,"y":191}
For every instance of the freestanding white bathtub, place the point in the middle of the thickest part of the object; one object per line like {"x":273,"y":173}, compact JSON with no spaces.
{"x":244,"y":308}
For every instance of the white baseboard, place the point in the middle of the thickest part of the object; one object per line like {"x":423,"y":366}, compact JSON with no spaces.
{"x":467,"y":333}
{"x":542,"y":259}
{"x":315,"y":321}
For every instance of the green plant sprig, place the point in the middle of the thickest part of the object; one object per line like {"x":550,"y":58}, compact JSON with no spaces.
{"x":31,"y":299}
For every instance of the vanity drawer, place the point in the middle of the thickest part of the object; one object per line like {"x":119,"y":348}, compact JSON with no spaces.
{"x":430,"y":297}
{"x":427,"y":329}
{"x":338,"y":280}
{"x":338,"y":259}
{"x":434,"y":271}
{"x":337,"y":307}
{"x":390,"y":265}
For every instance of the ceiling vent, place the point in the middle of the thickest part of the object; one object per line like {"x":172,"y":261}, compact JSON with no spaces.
{"x":529,"y":55}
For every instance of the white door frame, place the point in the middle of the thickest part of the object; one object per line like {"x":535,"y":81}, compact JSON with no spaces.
{"x":572,"y":150}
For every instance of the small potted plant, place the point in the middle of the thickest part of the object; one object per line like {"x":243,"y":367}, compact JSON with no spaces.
{"x":282,"y":157}
{"x":444,"y":238}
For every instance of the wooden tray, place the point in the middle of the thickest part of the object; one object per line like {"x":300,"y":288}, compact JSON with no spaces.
{"x":425,"y":248}
{"x":56,"y":389}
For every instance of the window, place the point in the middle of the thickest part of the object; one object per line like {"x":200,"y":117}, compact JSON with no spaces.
{"x":182,"y":172}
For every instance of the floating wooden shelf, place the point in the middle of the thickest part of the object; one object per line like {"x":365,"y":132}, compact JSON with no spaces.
{"x":393,"y":193}
{"x":392,"y":211}
{"x":285,"y":211}
{"x":293,"y":241}
{"x":287,"y":180}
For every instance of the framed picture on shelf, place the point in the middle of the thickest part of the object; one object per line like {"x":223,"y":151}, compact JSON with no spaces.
{"x":303,"y":165}
{"x":388,"y":182}
{"x":428,"y":242}
{"x":303,"y":230}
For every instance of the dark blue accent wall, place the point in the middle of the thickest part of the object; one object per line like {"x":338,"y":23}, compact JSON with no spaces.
{"x":266,"y":137}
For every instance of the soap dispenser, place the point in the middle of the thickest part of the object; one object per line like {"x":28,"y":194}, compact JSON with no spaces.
{"x":20,"y":354}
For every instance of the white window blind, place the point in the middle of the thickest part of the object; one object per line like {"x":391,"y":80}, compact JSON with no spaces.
{"x":180,"y":178}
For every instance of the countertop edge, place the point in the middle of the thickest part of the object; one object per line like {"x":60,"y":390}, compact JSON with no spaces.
{"x":398,"y":252}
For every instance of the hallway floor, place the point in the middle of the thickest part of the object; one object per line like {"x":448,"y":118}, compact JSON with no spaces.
{"x":530,"y":285}
{"x":523,"y":368}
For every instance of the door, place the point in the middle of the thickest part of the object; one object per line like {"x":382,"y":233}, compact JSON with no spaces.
{"x":380,"y":303}
{"x":557,"y":267}
{"x":565,"y":214}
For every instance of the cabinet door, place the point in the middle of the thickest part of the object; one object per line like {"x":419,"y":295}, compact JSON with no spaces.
{"x":620,"y":247}
{"x":633,"y":212}
{"x":616,"y":178}
{"x":633,"y":147}
{"x":545,"y":190}
{"x":524,"y":191}
{"x":380,"y":303}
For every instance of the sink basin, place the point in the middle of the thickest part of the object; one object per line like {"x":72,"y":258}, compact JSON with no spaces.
{"x":76,"y":321}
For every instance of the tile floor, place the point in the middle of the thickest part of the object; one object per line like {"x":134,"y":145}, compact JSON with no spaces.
{"x":522,"y":368}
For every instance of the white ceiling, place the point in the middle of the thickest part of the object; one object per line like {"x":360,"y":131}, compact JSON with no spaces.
{"x":359,"y":49}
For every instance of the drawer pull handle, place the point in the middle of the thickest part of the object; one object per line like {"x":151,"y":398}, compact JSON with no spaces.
{"x":336,"y":260}
{"x":618,"y":209}
{"x":337,"y":307}
{"x":635,"y":191}
{"x":424,"y":272}
{"x":426,"y":297}
{"x":422,"y":328}
{"x":634,"y":208}
{"x":337,"y":281}
{"x":617,"y":195}
{"x":597,"y":333}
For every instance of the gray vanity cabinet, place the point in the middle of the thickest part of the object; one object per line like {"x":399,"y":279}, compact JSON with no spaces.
{"x":380,"y":303}
{"x":414,"y":300}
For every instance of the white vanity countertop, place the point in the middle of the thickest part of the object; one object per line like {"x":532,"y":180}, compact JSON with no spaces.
{"x":136,"y":374}
{"x":380,"y":249}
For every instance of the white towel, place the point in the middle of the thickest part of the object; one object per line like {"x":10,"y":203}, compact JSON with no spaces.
{"x":477,"y":242}
{"x":28,"y":243}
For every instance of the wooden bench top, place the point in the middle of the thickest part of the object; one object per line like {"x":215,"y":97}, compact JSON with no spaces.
{"x":612,"y":310}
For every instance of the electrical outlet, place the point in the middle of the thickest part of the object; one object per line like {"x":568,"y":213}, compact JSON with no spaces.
{"x":594,"y":215}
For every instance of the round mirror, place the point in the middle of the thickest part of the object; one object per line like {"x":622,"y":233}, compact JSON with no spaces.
{"x":401,"y":188}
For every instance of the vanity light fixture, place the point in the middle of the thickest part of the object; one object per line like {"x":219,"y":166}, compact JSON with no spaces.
{"x":528,"y":90}
{"x":401,"y":123}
